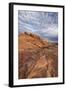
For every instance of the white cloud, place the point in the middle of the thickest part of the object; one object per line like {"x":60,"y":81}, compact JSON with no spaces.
{"x":43,"y":23}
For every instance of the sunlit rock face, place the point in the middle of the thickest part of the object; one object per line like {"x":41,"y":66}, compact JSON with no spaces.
{"x":37,"y":44}
{"x":38,"y":58}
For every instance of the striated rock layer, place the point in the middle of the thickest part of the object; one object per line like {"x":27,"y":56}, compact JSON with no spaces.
{"x":38,"y":58}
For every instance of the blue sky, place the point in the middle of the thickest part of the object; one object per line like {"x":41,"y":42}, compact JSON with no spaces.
{"x":44,"y":24}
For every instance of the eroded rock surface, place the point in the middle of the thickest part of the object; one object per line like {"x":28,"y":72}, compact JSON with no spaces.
{"x":38,"y":58}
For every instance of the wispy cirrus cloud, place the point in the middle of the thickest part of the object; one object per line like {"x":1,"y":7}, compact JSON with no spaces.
{"x":42,"y":23}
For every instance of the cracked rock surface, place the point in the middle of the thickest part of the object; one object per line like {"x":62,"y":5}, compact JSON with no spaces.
{"x":38,"y":58}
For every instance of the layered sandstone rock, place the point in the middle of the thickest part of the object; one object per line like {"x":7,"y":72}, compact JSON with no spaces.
{"x":37,"y":57}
